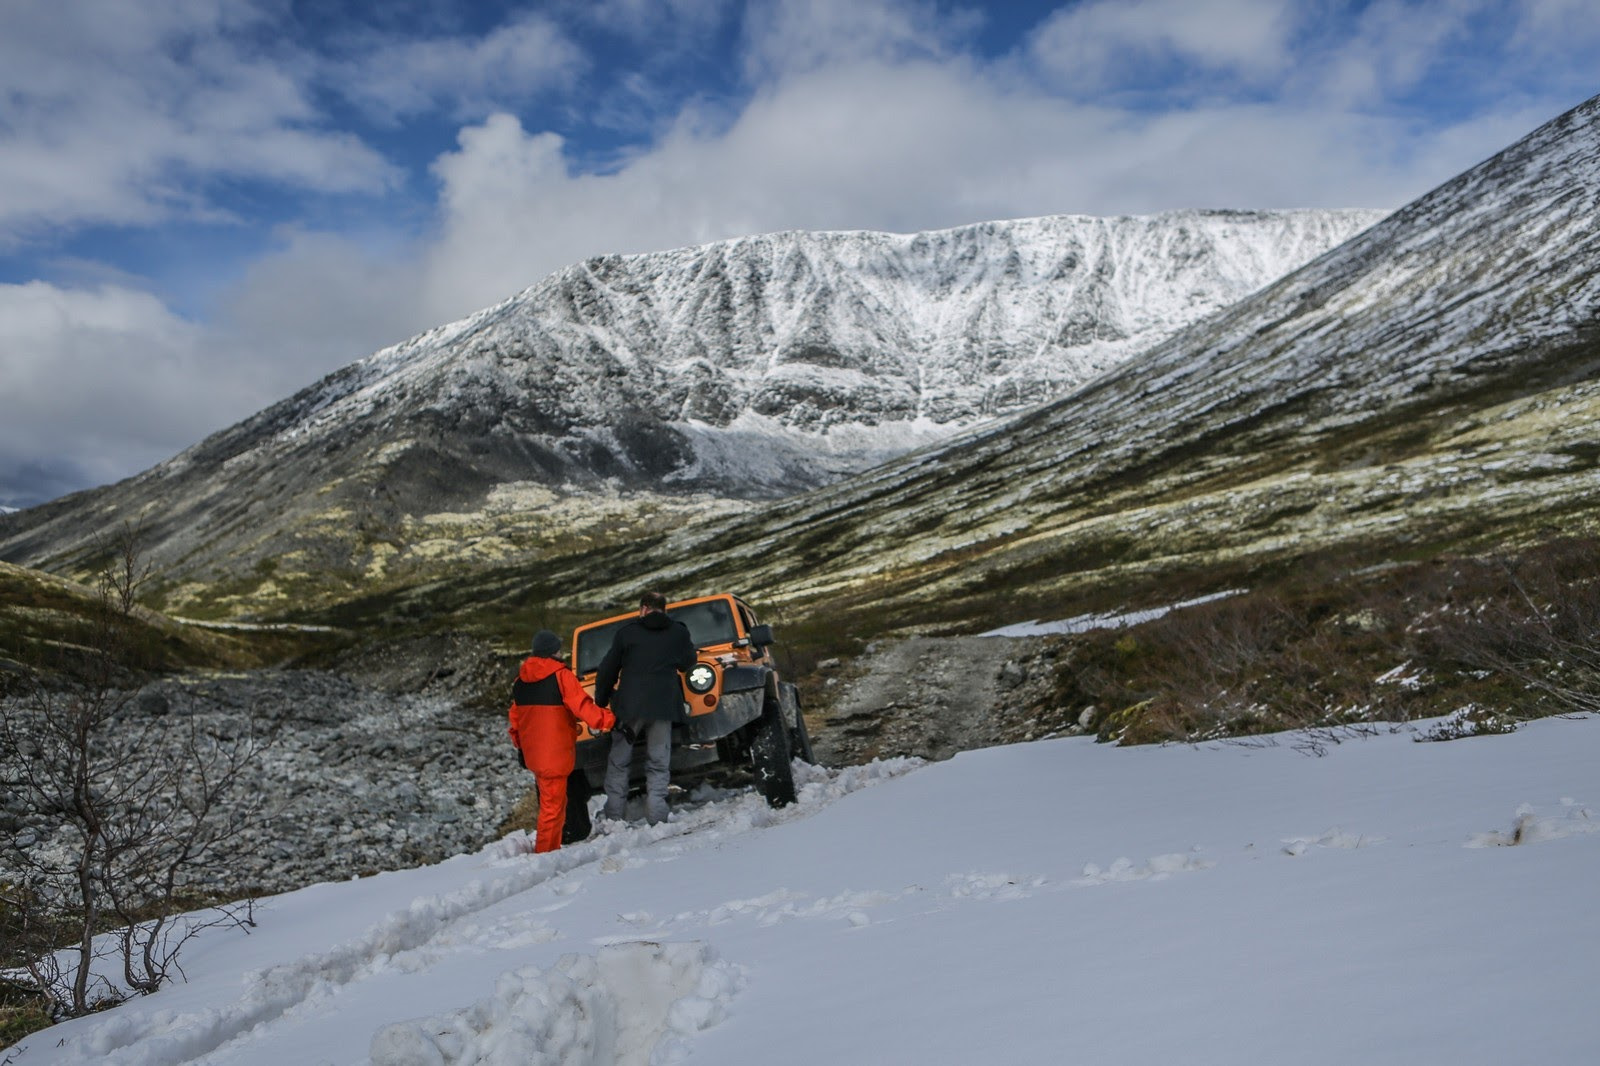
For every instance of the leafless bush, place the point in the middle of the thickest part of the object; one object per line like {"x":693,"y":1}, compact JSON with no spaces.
{"x":1246,"y":666}
{"x":1305,"y":656}
{"x":1537,"y":628}
{"x":1219,"y":654}
{"x":127,"y":811}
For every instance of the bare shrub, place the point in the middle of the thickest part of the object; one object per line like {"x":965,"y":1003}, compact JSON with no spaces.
{"x":1222,"y":654}
{"x":127,"y":812}
{"x":1245,"y":666}
{"x":1334,"y":647}
{"x":1534,"y":629}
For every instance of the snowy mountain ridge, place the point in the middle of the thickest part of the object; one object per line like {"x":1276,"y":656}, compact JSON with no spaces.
{"x":943,"y":327}
{"x":746,"y":369}
{"x":1435,"y":378}
{"x":830,"y":351}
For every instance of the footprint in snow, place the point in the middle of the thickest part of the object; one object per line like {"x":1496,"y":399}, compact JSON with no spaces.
{"x":1528,"y":827}
{"x":1333,"y":838}
{"x":1157,"y":869}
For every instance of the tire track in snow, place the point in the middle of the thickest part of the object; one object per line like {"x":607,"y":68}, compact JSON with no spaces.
{"x":167,"y":1039}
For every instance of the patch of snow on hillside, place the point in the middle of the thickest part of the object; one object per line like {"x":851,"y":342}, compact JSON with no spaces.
{"x":1083,"y":623}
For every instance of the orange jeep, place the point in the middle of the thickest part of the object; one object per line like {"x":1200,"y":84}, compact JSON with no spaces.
{"x":739,"y":708}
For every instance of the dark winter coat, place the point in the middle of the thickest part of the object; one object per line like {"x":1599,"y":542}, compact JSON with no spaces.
{"x":648,"y":654}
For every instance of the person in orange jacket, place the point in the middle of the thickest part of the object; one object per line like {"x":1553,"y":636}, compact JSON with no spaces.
{"x":546,"y":704}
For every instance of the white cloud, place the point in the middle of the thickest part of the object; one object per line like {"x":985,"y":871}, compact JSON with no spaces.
{"x":1393,"y":47}
{"x":1103,"y":44}
{"x":121,"y":113}
{"x":102,"y":382}
{"x":319,"y":302}
{"x":524,"y":56}
{"x":787,"y":37}
{"x":1549,"y":33}
{"x":908,"y":145}
{"x":1568,"y":18}
{"x":655,"y":20}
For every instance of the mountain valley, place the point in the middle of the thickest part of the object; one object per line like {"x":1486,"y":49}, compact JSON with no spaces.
{"x":1323,"y":458}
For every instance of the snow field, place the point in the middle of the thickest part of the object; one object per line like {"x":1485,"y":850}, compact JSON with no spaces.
{"x":1083,"y":623}
{"x":1391,"y":902}
{"x":419,"y":934}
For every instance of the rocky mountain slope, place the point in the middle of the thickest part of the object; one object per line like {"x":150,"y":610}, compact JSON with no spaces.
{"x":1433,"y":382}
{"x":746,"y":369}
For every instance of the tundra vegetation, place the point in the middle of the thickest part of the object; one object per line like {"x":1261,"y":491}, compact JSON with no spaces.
{"x":1335,"y":648}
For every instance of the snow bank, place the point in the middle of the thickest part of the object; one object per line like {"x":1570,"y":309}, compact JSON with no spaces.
{"x":434,"y":926}
{"x":629,"y":1005}
{"x":1531,"y":827}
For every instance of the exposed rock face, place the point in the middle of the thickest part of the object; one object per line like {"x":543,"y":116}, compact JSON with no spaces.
{"x":750,"y":369}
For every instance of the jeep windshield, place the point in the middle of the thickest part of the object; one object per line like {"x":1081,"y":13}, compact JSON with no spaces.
{"x":709,"y":621}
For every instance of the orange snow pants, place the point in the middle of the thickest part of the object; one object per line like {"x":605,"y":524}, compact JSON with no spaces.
{"x":552,"y":812}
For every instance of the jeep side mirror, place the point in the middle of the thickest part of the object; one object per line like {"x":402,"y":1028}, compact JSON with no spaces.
{"x":761,"y":636}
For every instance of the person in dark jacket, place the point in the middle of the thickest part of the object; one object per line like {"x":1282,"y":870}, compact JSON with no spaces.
{"x":638,"y":680}
{"x":547,"y":703}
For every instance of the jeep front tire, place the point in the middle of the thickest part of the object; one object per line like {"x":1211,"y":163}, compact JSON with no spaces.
{"x":769,"y":753}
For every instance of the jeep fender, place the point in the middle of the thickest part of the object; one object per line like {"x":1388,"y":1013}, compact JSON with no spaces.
{"x":735,"y":711}
{"x":743,"y":678}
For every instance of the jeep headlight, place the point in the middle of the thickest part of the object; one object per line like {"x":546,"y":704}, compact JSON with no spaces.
{"x":702,"y":679}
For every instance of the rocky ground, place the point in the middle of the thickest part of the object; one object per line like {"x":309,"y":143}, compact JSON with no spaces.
{"x":392,"y":759}
{"x":395,"y":755}
{"x":936,"y":696}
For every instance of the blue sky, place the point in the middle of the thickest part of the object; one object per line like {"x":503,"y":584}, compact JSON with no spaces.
{"x":207,"y":204}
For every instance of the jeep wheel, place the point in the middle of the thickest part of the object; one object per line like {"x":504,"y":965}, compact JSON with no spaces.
{"x":769,"y":752}
{"x":799,"y":739}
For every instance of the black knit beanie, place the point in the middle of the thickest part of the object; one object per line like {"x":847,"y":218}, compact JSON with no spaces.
{"x":546,"y":644}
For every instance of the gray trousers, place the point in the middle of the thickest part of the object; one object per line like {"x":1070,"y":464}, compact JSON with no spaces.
{"x":657,"y":737}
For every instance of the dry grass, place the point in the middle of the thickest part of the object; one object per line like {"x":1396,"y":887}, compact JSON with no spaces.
{"x":525,"y":815}
{"x":1336,"y":646}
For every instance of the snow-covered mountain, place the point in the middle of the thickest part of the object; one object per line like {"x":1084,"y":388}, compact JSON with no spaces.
{"x":1434,"y":381}
{"x":749,"y":368}
{"x":830,"y":351}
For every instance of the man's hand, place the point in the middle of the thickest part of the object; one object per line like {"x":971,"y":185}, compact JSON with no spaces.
{"x":521,"y":763}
